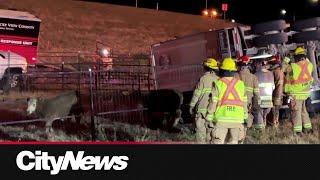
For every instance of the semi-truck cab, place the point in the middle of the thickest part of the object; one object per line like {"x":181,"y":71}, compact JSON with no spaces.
{"x":19,"y":34}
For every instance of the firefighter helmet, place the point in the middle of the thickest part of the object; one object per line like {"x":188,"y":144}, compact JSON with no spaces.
{"x":211,"y":63}
{"x":228,"y":64}
{"x":300,"y":51}
{"x":244,"y":60}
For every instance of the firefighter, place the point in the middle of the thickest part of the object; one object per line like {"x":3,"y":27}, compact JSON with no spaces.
{"x":278,"y":74}
{"x":266,"y":87}
{"x":298,"y":82}
{"x":228,"y":106}
{"x":252,"y":91}
{"x":200,"y":100}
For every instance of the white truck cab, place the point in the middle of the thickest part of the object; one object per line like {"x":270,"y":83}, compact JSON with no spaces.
{"x":12,"y":66}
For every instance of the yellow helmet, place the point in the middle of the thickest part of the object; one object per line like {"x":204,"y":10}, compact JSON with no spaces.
{"x":300,"y":51}
{"x":211,"y":63}
{"x":228,"y":64}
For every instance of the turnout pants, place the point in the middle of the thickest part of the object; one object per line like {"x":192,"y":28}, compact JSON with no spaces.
{"x":261,"y":117}
{"x":250,"y":114}
{"x":299,"y":116}
{"x":243,"y":130}
{"x":242,"y":134}
{"x":203,"y":129}
{"x":275,"y":118}
{"x":221,"y":131}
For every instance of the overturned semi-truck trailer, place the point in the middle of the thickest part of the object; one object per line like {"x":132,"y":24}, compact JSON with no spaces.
{"x":177,"y":63}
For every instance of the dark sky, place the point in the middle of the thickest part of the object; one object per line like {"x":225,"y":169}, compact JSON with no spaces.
{"x":243,"y":11}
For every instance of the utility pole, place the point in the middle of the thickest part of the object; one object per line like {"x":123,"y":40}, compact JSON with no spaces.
{"x":206,"y":4}
{"x":157,"y":6}
{"x":136,"y":3}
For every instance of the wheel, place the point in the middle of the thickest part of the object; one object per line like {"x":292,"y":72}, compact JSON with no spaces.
{"x":12,"y":80}
{"x":261,"y":28}
{"x":306,"y":23}
{"x":313,"y":103}
{"x":306,"y":36}
{"x":263,"y":41}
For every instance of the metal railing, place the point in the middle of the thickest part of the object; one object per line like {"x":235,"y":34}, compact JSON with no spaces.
{"x":117,"y":91}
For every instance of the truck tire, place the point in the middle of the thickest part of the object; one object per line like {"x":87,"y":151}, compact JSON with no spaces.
{"x":306,"y":23}
{"x":12,"y":80}
{"x":306,"y":36}
{"x":261,"y":28}
{"x":263,"y":41}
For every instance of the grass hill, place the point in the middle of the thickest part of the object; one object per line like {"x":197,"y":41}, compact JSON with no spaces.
{"x":75,"y":25}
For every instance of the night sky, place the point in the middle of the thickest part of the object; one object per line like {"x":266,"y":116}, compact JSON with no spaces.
{"x":243,"y":11}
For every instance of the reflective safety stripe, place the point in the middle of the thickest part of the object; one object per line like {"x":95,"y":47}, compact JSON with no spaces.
{"x":259,"y":126}
{"x":230,"y":120}
{"x":202,"y":110}
{"x":297,"y":128}
{"x":302,"y":93}
{"x":197,"y":92}
{"x":264,"y":85}
{"x":256,"y":90}
{"x":206,"y":90}
{"x":277,"y":99}
{"x":230,"y":90}
{"x":210,"y":117}
{"x":249,"y":89}
{"x":304,"y":72}
{"x":266,"y":97}
{"x":307,"y":126}
{"x":193,"y":104}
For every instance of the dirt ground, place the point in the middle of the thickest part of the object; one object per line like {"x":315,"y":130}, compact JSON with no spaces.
{"x":106,"y":130}
{"x":69,"y":25}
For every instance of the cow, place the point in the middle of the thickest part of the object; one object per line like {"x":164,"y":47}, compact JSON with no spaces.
{"x":52,"y":109}
{"x":164,"y":107}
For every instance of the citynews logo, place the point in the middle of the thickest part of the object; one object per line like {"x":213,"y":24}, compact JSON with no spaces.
{"x":27,"y":160}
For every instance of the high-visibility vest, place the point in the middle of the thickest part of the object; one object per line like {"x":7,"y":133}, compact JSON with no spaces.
{"x":266,"y":87}
{"x":230,"y":100}
{"x":301,"y":80}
